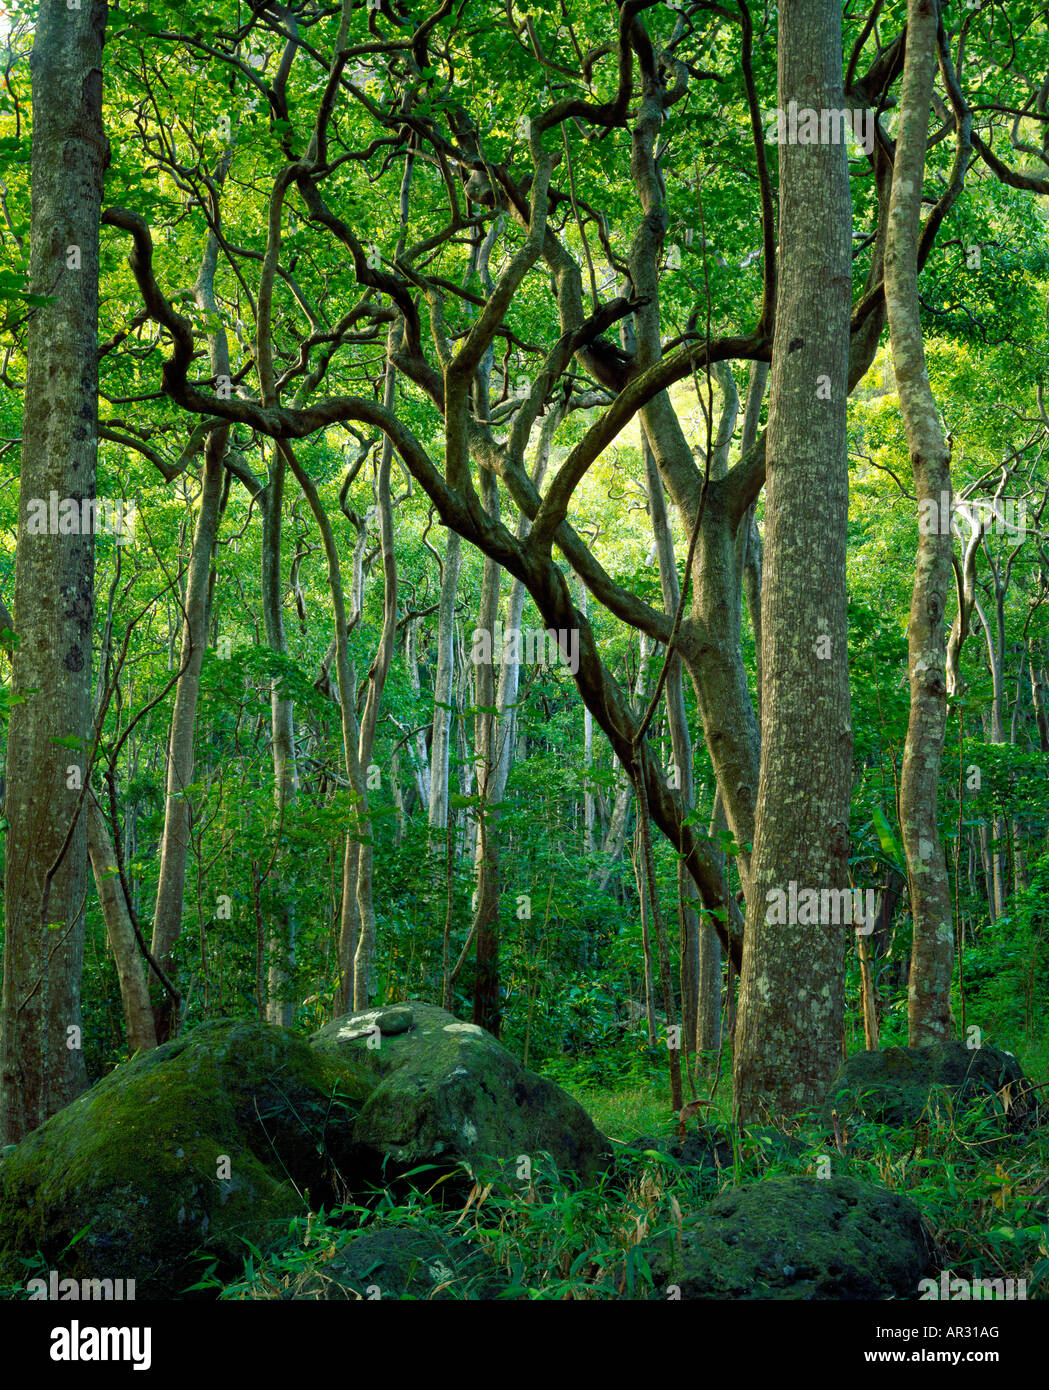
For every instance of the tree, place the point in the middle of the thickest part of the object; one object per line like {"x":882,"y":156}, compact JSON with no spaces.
{"x":789,"y":1027}
{"x":50,"y":736}
{"x":932,"y":958}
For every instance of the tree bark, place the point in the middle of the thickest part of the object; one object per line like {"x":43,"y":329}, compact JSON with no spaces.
{"x":932,"y":956}
{"x":788,"y":1033}
{"x":280,"y":1006}
{"x":41,"y":1062}
{"x":700,"y":970}
{"x":134,"y":989}
{"x":363,"y":967}
{"x":442,"y":693}
{"x":174,"y":846}
{"x":487,"y":1010}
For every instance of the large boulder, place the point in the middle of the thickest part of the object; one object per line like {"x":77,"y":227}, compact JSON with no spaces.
{"x":446,"y":1093}
{"x":895,"y":1086}
{"x":400,"y":1263}
{"x":183,"y":1150}
{"x":801,"y":1238}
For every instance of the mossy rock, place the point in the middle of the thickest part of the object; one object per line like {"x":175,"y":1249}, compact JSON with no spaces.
{"x":130,"y":1171}
{"x":771,"y":1147}
{"x":446,"y":1093}
{"x":799,"y":1238}
{"x":895,"y":1086}
{"x":704,"y":1147}
{"x":422,"y":1263}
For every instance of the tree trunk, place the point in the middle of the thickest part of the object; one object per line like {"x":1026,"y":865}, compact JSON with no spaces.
{"x":41,"y":1062}
{"x":174,"y":846}
{"x":134,"y":989}
{"x":280,"y":1005}
{"x":363,"y":966}
{"x":932,"y":955}
{"x":1039,"y":685}
{"x":788,"y":1034}
{"x":442,"y":692}
{"x":487,"y":1005}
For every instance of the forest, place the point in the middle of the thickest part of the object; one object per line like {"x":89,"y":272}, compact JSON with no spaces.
{"x":524,"y":653}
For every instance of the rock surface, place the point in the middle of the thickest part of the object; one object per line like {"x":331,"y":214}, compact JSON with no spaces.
{"x":703,"y":1147}
{"x":139,"y":1159}
{"x":404,"y":1264}
{"x":894,"y":1086}
{"x":443,"y":1092}
{"x":795,"y":1238}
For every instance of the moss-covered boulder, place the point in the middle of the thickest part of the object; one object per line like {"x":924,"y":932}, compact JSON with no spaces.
{"x":207,"y":1139}
{"x":795,"y":1238}
{"x":447,"y":1092}
{"x":703,"y":1147}
{"x":894,"y":1087}
{"x":421,"y":1263}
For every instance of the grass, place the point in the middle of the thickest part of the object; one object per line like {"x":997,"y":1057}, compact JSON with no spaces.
{"x":984,"y":1195}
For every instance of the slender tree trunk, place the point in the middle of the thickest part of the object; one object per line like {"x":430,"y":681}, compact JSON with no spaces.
{"x":932,"y":956}
{"x":788,"y":1034}
{"x":615,"y":839}
{"x":748,"y":539}
{"x":442,"y":694}
{"x":350,"y":925}
{"x":45,"y":882}
{"x":134,"y":989}
{"x":487,"y":1010}
{"x":420,"y":756}
{"x":698,"y":1015}
{"x":640,"y":876}
{"x":994,"y":835}
{"x":589,"y":801}
{"x":1039,"y":685}
{"x":174,"y":845}
{"x":280,"y":1005}
{"x":363,"y":967}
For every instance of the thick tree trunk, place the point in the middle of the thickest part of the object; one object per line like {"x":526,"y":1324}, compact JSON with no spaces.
{"x":932,"y":956}
{"x":788,"y":1034}
{"x":41,"y":1062}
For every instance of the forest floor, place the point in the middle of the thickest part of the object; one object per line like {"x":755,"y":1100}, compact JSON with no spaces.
{"x":984,"y":1194}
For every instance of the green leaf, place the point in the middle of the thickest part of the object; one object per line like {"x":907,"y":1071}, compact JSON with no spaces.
{"x":890,"y":845}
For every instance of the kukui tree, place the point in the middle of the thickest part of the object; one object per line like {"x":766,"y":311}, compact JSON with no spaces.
{"x":50,"y":740}
{"x":456,"y":317}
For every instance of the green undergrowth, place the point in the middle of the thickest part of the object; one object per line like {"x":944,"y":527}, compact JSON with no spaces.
{"x":980,"y":1180}
{"x":984,"y":1196}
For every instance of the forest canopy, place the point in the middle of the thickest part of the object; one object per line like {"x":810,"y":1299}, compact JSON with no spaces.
{"x":541,"y":509}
